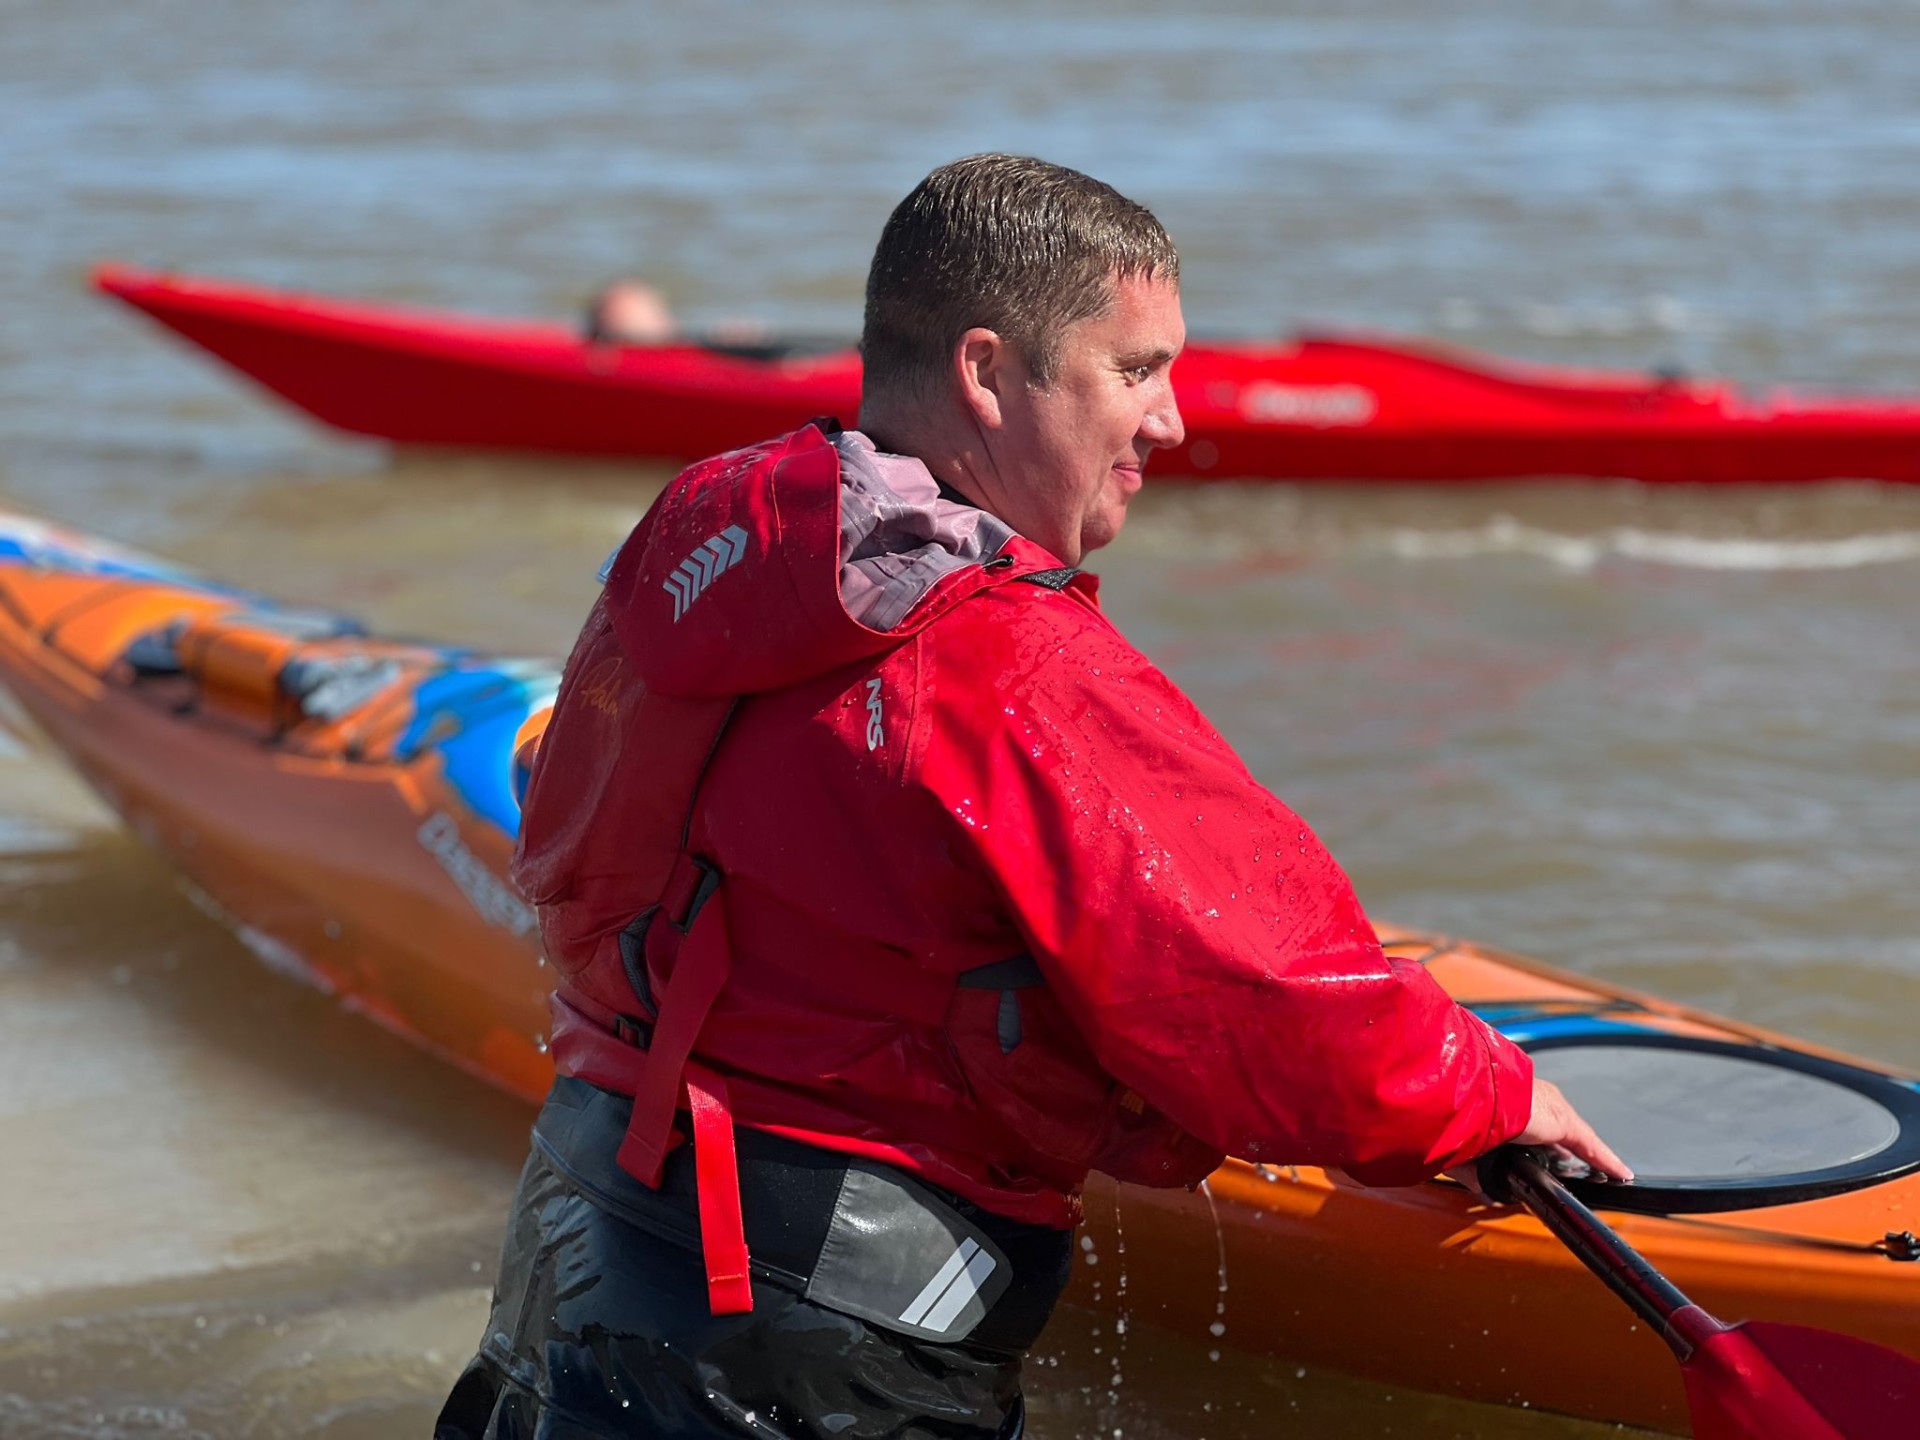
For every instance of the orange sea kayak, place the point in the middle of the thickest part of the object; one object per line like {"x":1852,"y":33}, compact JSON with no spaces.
{"x":345,"y":802}
{"x":1323,"y":407}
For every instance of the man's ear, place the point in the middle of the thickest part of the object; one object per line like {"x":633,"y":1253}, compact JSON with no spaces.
{"x":984,"y":367}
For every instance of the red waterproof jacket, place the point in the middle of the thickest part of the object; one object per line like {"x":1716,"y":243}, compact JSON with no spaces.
{"x":986,"y":896}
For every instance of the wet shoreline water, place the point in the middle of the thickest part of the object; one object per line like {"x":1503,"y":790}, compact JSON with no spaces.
{"x":1668,"y":738}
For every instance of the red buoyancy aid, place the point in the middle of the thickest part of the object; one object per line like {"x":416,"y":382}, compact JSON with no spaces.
{"x":810,"y":872}
{"x":626,"y":907}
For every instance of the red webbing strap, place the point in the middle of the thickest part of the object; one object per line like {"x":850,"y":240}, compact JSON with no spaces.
{"x":723,"y":1235}
{"x":700,"y":969}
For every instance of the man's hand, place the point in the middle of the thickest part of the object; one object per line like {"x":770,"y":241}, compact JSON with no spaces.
{"x":1557,"y":1124}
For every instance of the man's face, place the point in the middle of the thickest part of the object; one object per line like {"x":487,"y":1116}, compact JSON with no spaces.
{"x":1073,"y":455}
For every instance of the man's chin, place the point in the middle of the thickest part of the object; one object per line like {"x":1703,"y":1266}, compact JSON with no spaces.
{"x":1097,"y":534}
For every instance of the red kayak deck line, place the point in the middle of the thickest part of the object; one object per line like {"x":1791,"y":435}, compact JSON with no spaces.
{"x":1316,"y":408}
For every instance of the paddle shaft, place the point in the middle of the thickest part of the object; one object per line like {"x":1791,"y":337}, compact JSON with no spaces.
{"x":1654,"y":1298}
{"x":1755,"y":1381}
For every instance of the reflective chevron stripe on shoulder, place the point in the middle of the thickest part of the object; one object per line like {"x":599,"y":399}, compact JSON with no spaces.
{"x":691,"y":577}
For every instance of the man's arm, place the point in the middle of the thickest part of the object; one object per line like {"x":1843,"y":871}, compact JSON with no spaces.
{"x":1208,"y":947}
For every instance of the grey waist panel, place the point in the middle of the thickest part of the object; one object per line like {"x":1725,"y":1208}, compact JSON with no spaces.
{"x":897,"y":1256}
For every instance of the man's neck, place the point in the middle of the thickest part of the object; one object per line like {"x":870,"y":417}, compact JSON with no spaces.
{"x":923,"y":440}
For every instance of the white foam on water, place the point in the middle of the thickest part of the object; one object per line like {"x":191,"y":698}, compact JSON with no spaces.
{"x":1501,"y":535}
{"x":1504,"y":535}
{"x":1846,"y":553}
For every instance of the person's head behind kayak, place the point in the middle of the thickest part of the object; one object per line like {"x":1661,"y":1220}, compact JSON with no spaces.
{"x":1022,"y":320}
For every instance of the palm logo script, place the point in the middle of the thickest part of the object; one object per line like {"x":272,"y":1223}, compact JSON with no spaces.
{"x":692,"y":576}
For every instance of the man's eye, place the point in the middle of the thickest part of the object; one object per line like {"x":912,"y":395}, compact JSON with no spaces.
{"x":1140,"y":374}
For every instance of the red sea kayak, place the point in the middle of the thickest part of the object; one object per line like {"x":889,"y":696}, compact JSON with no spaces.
{"x":1317,"y":408}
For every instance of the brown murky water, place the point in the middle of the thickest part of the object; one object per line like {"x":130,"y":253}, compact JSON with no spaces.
{"x":1671,"y":738}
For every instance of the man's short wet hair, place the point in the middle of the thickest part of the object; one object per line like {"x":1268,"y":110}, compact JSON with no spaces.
{"x":1014,"y":244}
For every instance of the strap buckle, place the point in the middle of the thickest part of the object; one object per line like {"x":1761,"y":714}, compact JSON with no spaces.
{"x":707,"y":880}
{"x":629,"y":1031}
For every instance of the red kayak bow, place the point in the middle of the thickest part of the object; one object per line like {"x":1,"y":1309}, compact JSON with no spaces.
{"x":1321,"y":407}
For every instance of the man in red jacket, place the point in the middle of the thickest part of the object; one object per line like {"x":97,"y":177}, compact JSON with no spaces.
{"x":889,"y":890}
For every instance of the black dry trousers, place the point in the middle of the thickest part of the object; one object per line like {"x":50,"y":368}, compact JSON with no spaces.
{"x":881,"y":1306}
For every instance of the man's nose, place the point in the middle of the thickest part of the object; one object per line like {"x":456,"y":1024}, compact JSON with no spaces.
{"x":1162,"y":426}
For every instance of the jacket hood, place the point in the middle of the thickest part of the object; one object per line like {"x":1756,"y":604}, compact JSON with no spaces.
{"x":765,"y":567}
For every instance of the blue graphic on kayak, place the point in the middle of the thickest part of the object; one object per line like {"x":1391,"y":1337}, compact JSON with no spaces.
{"x":1524,"y":1022}
{"x":470,"y":715}
{"x":43,"y":546}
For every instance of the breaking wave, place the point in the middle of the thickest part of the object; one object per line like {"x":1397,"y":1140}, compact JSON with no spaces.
{"x":1503,"y":535}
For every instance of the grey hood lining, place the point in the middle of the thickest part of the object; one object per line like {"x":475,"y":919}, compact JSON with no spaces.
{"x":899,"y":537}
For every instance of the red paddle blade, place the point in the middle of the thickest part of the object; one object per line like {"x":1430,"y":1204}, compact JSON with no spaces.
{"x":1785,"y":1382}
